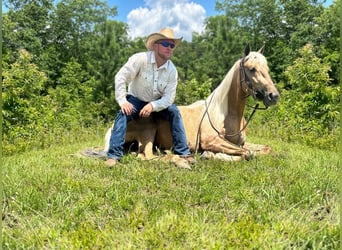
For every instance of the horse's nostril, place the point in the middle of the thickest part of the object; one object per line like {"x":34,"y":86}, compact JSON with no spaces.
{"x":273,"y":97}
{"x":270,"y":96}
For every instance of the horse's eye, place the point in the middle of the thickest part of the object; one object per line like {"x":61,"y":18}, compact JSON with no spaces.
{"x":252,"y":70}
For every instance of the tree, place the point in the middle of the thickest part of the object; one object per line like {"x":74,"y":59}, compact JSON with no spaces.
{"x":26,"y":25}
{"x":25,"y":110}
{"x":284,"y":26}
{"x":310,"y":104}
{"x":72,"y":98}
{"x":73,"y":26}
{"x":212,"y":54}
{"x":107,"y":55}
{"x":328,"y":38}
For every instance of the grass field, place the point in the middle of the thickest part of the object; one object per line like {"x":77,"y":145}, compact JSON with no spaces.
{"x":54,"y":199}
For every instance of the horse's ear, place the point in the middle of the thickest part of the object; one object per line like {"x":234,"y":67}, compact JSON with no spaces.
{"x":261,"y":50}
{"x":247,"y":49}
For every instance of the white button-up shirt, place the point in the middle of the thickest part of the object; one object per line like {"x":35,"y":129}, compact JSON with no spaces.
{"x":147,"y":82}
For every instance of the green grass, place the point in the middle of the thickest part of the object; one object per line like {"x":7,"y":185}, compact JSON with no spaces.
{"x":54,"y":199}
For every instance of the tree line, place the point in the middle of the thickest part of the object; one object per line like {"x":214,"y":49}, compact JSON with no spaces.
{"x":59,"y":61}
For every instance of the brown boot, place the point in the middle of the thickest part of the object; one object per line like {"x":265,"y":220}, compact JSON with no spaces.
{"x":190,"y":159}
{"x":111,"y":162}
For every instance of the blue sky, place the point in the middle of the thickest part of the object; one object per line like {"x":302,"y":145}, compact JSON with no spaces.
{"x":147,"y":16}
{"x":184,"y":16}
{"x":124,"y":7}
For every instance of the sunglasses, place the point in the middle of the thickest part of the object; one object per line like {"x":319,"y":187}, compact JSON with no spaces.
{"x":167,"y":44}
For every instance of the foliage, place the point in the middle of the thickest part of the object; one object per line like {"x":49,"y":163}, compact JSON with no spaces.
{"x":283,"y":26}
{"x":72,"y":94}
{"x":26,"y":25}
{"x":191,"y":91}
{"x":24,"y":108}
{"x":309,"y":107}
{"x":108,"y":55}
{"x":29,"y":115}
{"x":217,"y":49}
{"x":286,"y":200}
{"x":328,"y":38}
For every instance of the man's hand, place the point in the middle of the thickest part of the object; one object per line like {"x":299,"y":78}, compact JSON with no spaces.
{"x":127,"y":108}
{"x":146,"y":110}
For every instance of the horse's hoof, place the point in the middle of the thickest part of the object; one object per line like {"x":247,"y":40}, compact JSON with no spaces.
{"x":141,"y":156}
{"x":250,"y":155}
{"x":207,"y":155}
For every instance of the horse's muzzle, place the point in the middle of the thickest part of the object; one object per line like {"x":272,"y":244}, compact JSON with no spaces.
{"x":271,"y":99}
{"x":268,"y":98}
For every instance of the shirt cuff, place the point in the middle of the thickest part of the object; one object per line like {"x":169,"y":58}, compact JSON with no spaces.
{"x":153,"y":106}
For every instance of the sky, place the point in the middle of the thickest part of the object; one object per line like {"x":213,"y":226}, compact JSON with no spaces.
{"x":148,"y":16}
{"x":183,"y":16}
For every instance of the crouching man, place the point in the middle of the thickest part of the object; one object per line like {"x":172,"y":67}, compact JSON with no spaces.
{"x":151,"y":78}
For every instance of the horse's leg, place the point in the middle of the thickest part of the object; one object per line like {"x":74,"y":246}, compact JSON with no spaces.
{"x":144,"y":131}
{"x":258,"y":149}
{"x":221,"y":156}
{"x":163,"y":135}
{"x":217,"y":144}
{"x":146,"y":139}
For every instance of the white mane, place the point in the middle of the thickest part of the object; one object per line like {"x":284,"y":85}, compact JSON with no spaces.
{"x":217,"y":101}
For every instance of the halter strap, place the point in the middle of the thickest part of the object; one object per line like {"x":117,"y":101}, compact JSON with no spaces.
{"x":245,"y":79}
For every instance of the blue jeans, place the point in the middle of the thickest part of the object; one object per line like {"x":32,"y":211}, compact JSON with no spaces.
{"x":171,"y":114}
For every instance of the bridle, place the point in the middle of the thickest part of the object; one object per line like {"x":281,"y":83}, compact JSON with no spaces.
{"x":246,"y":80}
{"x":243,"y":79}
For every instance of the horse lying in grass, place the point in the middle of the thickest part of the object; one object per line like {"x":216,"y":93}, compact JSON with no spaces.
{"x":216,"y":125}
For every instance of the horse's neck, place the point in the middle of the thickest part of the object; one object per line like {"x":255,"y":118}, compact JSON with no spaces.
{"x":236,"y":101}
{"x":219,"y":101}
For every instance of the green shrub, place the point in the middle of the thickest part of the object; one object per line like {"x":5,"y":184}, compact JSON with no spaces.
{"x":34,"y":118}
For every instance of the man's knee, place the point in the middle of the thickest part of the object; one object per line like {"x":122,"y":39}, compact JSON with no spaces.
{"x":172,"y":109}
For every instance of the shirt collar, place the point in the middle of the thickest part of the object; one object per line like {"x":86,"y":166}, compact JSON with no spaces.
{"x":153,"y":60}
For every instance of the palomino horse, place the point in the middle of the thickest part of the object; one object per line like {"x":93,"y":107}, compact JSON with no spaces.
{"x":215,"y":125}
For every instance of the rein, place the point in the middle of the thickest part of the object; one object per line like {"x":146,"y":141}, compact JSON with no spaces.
{"x":243,"y":78}
{"x":256,"y":107}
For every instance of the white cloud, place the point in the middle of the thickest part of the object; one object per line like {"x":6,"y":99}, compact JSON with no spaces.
{"x":182,"y":16}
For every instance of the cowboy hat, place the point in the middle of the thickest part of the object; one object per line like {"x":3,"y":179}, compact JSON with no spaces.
{"x":165,"y":33}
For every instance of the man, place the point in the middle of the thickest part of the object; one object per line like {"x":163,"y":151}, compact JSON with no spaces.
{"x":152,"y":82}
